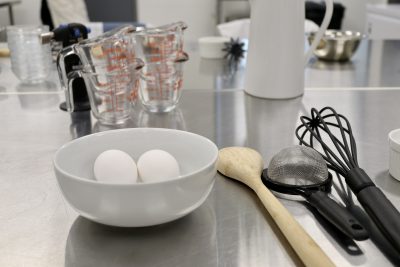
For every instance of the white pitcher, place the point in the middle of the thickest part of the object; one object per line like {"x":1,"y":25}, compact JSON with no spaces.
{"x":276,"y":59}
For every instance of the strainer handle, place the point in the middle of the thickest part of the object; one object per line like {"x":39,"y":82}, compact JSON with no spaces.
{"x":306,"y":248}
{"x":338,"y":215}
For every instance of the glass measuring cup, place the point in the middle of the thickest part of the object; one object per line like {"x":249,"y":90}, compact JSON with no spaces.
{"x":161,"y":83}
{"x":112,"y":91}
{"x":113,"y":48}
{"x":160,"y":43}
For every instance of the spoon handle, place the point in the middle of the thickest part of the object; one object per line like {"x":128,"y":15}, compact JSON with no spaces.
{"x":306,"y":248}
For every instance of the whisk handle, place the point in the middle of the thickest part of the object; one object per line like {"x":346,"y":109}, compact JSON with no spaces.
{"x":382,"y":212}
{"x":358,"y":179}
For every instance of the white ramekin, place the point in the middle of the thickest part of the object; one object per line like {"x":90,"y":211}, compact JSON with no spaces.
{"x":211,"y":47}
{"x":394,"y":154}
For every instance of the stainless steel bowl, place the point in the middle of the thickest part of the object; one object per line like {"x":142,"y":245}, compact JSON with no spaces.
{"x":336,"y":45}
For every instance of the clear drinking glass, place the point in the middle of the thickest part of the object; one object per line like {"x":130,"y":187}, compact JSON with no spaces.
{"x":161,"y":84}
{"x":112,"y":91}
{"x":30,"y":60}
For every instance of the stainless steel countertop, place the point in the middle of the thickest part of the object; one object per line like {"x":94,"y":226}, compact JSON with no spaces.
{"x":375,"y":64}
{"x":38,"y":228}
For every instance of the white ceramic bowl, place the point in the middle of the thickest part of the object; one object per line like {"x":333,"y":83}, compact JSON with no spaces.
{"x":211,"y":47}
{"x":133,"y":205}
{"x":394,"y":154}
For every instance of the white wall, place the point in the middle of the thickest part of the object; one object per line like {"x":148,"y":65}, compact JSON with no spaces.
{"x":27,"y":12}
{"x":355,"y":13}
{"x":199,"y":15}
{"x":235,"y":9}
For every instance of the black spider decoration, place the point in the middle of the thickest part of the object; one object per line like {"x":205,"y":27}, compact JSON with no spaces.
{"x":234,"y":50}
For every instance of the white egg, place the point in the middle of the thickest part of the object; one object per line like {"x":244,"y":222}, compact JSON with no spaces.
{"x":157,"y":165}
{"x":115,"y":166}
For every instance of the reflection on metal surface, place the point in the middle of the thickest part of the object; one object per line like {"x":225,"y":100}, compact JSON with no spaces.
{"x":386,"y":182}
{"x":182,"y":242}
{"x":100,"y":127}
{"x":2,"y":95}
{"x":211,"y":66}
{"x":172,"y":120}
{"x":81,"y":124}
{"x":222,"y":74}
{"x":271,"y":124}
{"x":44,"y":87}
{"x":345,"y":242}
{"x":38,"y":96}
{"x":326,"y":65}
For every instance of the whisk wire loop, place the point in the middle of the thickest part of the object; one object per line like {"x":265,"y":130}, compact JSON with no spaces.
{"x":344,"y":153}
{"x":318,"y":125}
{"x":352,"y":150}
{"x":336,"y":164}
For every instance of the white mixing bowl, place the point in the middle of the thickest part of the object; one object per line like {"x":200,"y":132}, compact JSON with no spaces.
{"x":141,"y":204}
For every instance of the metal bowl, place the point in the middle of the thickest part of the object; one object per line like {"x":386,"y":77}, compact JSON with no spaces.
{"x":336,"y":45}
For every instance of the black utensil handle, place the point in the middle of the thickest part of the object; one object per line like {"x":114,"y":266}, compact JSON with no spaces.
{"x":382,"y":212}
{"x":338,"y":215}
{"x":375,"y":234}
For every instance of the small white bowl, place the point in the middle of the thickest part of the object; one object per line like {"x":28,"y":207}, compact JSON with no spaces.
{"x":394,"y":154}
{"x":141,"y":204}
{"x":211,"y":47}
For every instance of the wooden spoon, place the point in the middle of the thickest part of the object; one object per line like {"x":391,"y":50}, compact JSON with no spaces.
{"x":246,"y":165}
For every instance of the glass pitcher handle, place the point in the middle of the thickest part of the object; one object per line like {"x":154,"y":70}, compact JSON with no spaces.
{"x":69,"y":94}
{"x":61,"y":66}
{"x":322,"y":29}
{"x":63,"y":75}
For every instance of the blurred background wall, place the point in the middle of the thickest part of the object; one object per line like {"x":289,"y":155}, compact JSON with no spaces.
{"x":201,"y":16}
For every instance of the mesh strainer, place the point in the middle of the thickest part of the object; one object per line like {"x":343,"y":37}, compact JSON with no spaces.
{"x":300,"y":170}
{"x":299,"y":167}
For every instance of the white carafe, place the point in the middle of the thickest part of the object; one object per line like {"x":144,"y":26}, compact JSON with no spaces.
{"x":276,"y":58}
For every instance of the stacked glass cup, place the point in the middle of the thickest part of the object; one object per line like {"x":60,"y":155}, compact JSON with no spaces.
{"x":162,"y":75}
{"x":117,"y":62}
{"x":110,"y":71}
{"x":30,"y":60}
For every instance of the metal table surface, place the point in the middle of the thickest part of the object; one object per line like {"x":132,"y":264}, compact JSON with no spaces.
{"x":37,"y":228}
{"x":375,"y":64}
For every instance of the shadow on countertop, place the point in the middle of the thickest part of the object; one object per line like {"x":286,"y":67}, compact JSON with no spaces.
{"x":178,"y":243}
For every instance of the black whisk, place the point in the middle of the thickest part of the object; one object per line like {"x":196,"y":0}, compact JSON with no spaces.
{"x":330,"y":133}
